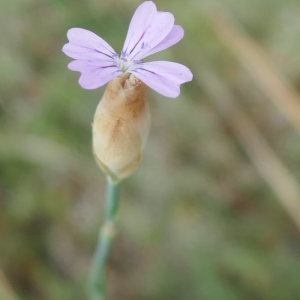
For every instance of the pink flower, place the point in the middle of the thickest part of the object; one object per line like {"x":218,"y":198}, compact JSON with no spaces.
{"x":150,"y":31}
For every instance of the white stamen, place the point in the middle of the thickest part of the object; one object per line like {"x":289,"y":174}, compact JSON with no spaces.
{"x":123,"y":63}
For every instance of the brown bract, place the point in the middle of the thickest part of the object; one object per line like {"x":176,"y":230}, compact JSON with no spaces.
{"x":121,"y":126}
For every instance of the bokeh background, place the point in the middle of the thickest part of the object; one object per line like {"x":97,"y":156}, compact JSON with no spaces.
{"x":212,"y":213}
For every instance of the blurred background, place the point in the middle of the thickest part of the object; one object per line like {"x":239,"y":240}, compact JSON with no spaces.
{"x":213,"y":211}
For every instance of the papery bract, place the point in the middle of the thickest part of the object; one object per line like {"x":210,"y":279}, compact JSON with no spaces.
{"x":121,"y":126}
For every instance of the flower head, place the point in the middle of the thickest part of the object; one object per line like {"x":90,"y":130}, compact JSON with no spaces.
{"x":150,"y":31}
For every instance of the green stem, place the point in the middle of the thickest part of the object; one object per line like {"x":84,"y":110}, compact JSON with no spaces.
{"x":106,"y":235}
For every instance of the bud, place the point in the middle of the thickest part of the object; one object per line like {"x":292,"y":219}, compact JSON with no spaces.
{"x":121,"y":126}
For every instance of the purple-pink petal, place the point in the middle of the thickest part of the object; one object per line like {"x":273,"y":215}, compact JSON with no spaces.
{"x":140,"y":20}
{"x":175,"y":35}
{"x":84,"y":44}
{"x":163,"y":76}
{"x":94,"y":73}
{"x":147,"y":29}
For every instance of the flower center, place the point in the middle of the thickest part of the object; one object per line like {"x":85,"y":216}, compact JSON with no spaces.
{"x":124,"y":63}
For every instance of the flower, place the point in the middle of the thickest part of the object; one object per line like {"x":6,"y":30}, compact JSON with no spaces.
{"x":150,"y":31}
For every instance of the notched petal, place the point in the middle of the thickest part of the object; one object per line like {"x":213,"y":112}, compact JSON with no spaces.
{"x":94,"y":73}
{"x":163,"y":76}
{"x":175,"y":35}
{"x":147,"y":29}
{"x":84,"y":44}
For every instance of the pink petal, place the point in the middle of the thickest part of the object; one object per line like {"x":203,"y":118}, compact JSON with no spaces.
{"x":94,"y":73}
{"x":147,"y":28}
{"x":163,"y":76}
{"x":84,"y":44}
{"x":175,"y":35}
{"x":141,"y":20}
